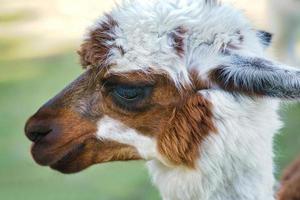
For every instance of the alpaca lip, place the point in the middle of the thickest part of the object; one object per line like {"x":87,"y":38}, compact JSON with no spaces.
{"x":63,"y":164}
{"x":43,"y":156}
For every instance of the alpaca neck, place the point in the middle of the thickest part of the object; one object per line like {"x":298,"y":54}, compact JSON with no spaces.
{"x":185,"y":184}
{"x":234,"y":164}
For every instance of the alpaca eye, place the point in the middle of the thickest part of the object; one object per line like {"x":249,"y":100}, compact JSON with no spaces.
{"x":129,"y":93}
{"x":132,"y":98}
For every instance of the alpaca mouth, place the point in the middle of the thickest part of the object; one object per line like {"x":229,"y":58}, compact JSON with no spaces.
{"x":65,"y":164}
{"x":62,"y":159}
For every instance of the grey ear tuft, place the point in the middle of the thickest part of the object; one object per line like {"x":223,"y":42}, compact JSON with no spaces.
{"x":265,"y":37}
{"x":258,"y":77}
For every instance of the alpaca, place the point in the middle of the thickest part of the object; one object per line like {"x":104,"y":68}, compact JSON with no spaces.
{"x":184,"y":85}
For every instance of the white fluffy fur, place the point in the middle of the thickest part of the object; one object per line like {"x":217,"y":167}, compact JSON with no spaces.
{"x":210,"y":28}
{"x":236,"y":163}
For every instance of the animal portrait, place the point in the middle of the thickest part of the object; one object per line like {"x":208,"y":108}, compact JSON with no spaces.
{"x":185,"y":86}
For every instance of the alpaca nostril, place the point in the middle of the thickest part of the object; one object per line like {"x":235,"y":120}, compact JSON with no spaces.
{"x":36,"y":136}
{"x":36,"y":132}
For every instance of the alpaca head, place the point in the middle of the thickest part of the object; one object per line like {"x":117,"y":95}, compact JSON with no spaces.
{"x":140,"y":97}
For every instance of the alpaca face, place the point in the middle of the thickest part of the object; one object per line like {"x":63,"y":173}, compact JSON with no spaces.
{"x":140,"y":95}
{"x":119,"y":117}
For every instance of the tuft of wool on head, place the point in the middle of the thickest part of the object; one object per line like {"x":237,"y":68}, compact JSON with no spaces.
{"x":147,"y":32}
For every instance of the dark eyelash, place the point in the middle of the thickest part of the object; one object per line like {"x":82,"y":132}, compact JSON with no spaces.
{"x":139,"y":103}
{"x":112,"y":85}
{"x":130,"y":108}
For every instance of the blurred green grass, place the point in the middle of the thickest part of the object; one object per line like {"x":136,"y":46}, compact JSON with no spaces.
{"x":21,"y":15}
{"x":25,"y":84}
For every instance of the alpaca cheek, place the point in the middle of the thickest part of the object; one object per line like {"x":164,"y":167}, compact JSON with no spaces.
{"x":181,"y":140}
{"x":114,"y":130}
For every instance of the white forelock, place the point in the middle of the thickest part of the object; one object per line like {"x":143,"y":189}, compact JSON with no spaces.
{"x":144,"y":29}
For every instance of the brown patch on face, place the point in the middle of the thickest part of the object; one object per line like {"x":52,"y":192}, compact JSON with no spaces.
{"x":197,"y":82}
{"x":178,"y":37}
{"x":189,"y":125}
{"x":94,"y":51}
{"x":290,"y":183}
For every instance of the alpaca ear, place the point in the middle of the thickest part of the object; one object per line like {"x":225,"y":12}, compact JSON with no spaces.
{"x":265,"y":38}
{"x":258,"y":76}
{"x":94,"y":50}
{"x":96,"y":47}
{"x":86,"y":54}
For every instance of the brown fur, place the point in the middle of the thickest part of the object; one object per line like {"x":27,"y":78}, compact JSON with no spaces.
{"x":178,"y":36}
{"x":290,"y":183}
{"x":72,"y":146}
{"x":95,"y":151}
{"x":197,"y":82}
{"x":188,"y":127}
{"x":94,"y":51}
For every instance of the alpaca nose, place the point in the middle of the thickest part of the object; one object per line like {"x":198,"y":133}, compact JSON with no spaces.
{"x":36,"y":130}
